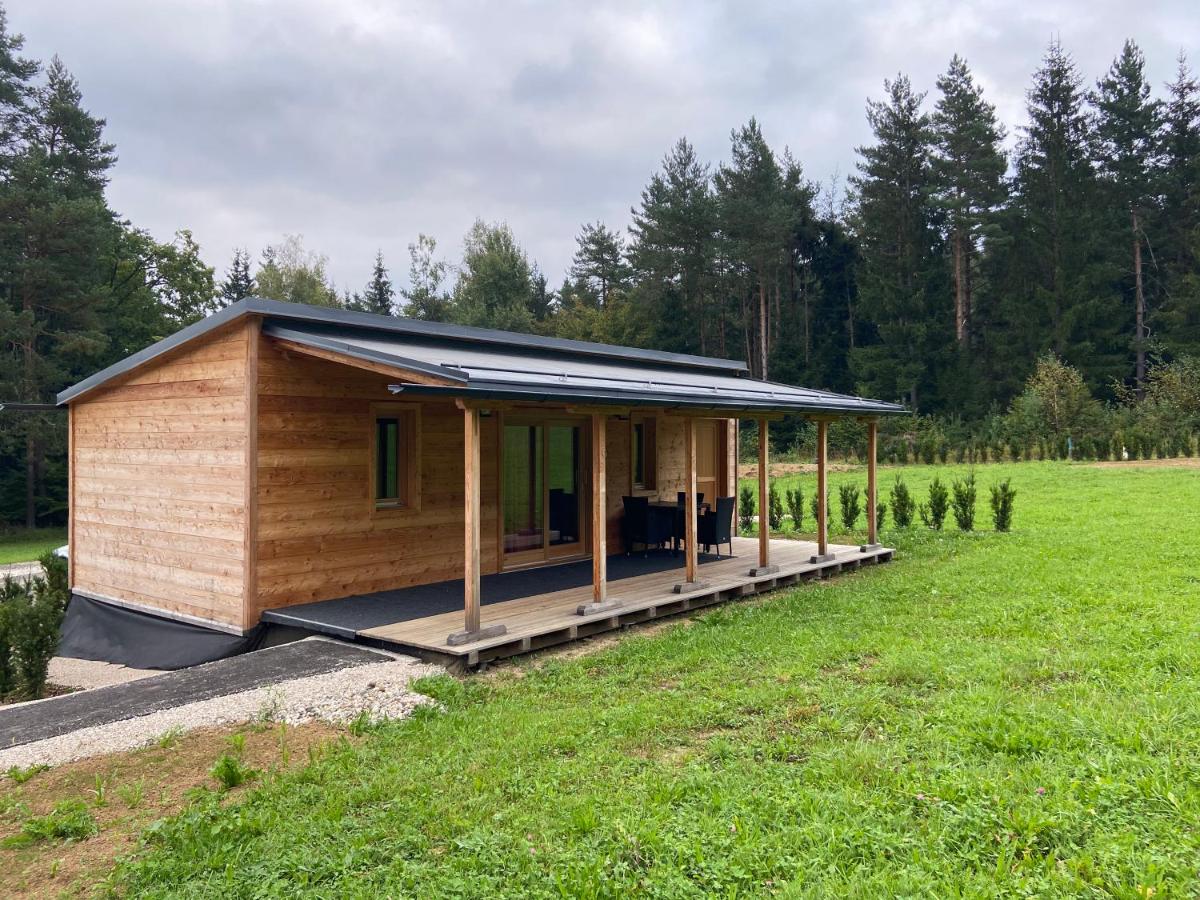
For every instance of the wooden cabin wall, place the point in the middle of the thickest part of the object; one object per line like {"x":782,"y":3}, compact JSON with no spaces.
{"x":158,"y":511}
{"x":319,"y":535}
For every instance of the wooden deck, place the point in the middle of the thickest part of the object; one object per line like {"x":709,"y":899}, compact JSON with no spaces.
{"x":543,"y":620}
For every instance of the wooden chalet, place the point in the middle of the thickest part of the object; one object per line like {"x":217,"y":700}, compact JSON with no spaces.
{"x":449,"y":491}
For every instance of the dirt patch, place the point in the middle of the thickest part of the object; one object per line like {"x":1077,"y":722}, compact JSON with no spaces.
{"x":1181,"y":462}
{"x":124,"y":793}
{"x":781,"y":469}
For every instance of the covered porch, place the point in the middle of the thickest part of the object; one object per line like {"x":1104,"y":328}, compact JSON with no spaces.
{"x":543,"y":607}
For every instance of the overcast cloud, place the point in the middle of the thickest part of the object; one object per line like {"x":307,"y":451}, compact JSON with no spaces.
{"x":359,"y":124}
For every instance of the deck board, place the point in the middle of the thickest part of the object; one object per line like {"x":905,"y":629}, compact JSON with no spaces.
{"x":542,"y":619}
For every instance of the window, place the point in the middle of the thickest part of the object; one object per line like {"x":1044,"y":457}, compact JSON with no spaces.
{"x":395,"y":464}
{"x":643,"y":444}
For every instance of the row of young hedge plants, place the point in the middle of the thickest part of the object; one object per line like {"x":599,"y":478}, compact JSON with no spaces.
{"x":31,"y":611}
{"x":959,"y":499}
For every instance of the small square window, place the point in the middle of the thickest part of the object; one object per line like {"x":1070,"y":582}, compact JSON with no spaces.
{"x":395,"y":459}
{"x":643,"y":444}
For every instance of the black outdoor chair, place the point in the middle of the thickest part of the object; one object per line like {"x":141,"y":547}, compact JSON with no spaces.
{"x":716,"y":526}
{"x":681,"y":499}
{"x":640,"y":527}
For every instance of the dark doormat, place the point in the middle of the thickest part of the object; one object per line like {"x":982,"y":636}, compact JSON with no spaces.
{"x":30,"y":722}
{"x":347,"y":616}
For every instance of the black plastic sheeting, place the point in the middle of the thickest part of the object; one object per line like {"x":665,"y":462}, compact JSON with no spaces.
{"x":114,"y":634}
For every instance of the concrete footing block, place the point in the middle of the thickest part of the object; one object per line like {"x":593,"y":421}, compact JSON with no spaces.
{"x":819,"y":558}
{"x":763,"y":570}
{"x":870,"y":548}
{"x":459,"y":638}
{"x":588,"y":609}
{"x":690,"y":587}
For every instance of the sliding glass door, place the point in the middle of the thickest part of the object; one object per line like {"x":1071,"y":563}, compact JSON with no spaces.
{"x":542,"y":496}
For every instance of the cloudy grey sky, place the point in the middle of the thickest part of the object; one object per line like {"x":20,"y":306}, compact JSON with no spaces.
{"x":359,"y":124}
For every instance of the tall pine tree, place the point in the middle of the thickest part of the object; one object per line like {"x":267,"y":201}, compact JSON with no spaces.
{"x":1179,"y":218}
{"x":900,"y":273}
{"x":968,"y":180}
{"x":1127,"y":145}
{"x":378,"y":296}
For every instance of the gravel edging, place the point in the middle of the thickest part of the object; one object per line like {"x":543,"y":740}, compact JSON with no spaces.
{"x":381,"y":690}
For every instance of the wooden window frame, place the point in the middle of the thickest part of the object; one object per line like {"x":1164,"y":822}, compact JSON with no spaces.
{"x":643,"y":489}
{"x":410,"y":476}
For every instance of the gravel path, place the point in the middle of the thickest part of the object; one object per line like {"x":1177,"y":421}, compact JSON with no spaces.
{"x":380,"y":689}
{"x":20,"y":571}
{"x":85,"y":674}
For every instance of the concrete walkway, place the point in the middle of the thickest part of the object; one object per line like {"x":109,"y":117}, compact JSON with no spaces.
{"x":28,"y":722}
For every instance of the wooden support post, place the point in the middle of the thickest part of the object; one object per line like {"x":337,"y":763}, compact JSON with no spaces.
{"x":872,"y":487}
{"x":764,"y":496}
{"x":690,"y":582}
{"x":600,"y":602}
{"x":823,"y":554}
{"x":472,"y":631}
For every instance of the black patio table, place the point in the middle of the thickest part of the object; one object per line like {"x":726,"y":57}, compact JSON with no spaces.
{"x":669,"y":508}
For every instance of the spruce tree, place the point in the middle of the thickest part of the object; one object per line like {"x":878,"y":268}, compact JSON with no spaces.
{"x":237,"y":284}
{"x":899,"y":245}
{"x":1179,"y":218}
{"x":753,"y":223}
{"x":1127,"y":145}
{"x":672,"y":252}
{"x":599,"y":262}
{"x":378,"y":296}
{"x":1058,"y":294}
{"x":968,"y":179}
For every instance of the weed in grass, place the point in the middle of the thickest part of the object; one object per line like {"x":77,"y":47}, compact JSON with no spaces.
{"x":20,"y":776}
{"x":99,"y":792}
{"x":230,"y":772}
{"x":169,"y":738}
{"x":70,"y":820}
{"x":268,"y":713}
{"x":132,"y":794}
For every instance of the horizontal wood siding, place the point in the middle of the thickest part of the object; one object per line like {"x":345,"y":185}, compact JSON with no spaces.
{"x":318,"y":533}
{"x":158,"y":515}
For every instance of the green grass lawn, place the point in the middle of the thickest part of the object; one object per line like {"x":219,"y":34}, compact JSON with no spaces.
{"x":991,"y":714}
{"x":26,"y":544}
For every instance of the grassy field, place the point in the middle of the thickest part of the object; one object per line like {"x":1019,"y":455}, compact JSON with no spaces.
{"x":25,"y":544}
{"x":991,"y":714}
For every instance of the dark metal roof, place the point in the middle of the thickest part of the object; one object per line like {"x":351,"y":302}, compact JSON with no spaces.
{"x":483,"y":363}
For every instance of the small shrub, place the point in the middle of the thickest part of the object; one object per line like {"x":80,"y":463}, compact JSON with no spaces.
{"x":795,"y":504}
{"x":902,"y":504}
{"x":31,"y":612}
{"x":880,"y":515}
{"x":774,"y":509}
{"x":963,"y":502}
{"x":1003,"y":496}
{"x":746,"y":508}
{"x":849,"y":497}
{"x":230,"y":771}
{"x":70,"y":820}
{"x":815,"y":509}
{"x":933,"y":513}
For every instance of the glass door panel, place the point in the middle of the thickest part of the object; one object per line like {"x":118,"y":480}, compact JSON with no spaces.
{"x":523,"y":489}
{"x":563,"y":470}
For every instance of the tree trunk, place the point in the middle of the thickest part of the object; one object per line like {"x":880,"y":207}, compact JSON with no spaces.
{"x":762,"y":322}
{"x":960,"y":291}
{"x":1140,"y":312}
